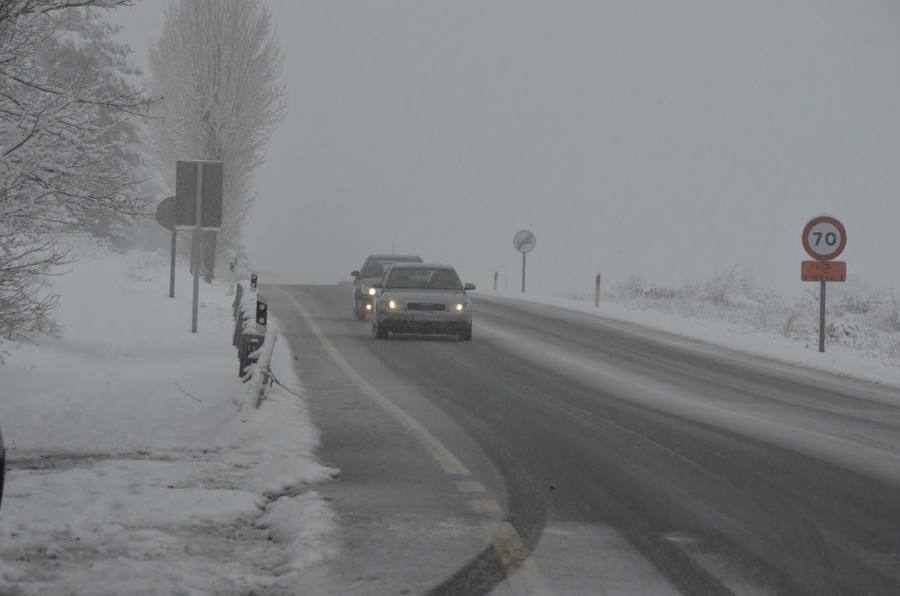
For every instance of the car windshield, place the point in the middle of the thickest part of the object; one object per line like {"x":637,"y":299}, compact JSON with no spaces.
{"x":374,"y":269}
{"x":423,"y":278}
{"x":377,"y":268}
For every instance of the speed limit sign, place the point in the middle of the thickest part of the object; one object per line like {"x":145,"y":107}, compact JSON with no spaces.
{"x":824,"y":238}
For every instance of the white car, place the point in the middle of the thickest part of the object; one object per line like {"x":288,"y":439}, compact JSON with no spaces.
{"x":423,"y":298}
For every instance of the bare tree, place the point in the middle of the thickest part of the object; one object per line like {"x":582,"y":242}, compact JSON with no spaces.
{"x":65,"y":103}
{"x":217,"y":67}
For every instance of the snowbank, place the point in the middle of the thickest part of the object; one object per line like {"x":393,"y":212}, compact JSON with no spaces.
{"x":730,"y":310}
{"x":136,"y":463}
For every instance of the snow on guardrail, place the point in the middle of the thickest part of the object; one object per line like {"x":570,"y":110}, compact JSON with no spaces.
{"x":254,"y":340}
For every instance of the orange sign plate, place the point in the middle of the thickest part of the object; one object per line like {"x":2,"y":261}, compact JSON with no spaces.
{"x":823,"y":271}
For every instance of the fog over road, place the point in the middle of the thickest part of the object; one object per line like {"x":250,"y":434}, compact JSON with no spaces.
{"x":561,"y":453}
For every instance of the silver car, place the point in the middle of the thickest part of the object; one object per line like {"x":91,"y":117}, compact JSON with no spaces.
{"x":423,"y":298}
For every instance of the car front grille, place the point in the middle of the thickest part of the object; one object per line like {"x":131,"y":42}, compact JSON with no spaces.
{"x":425,"y":306}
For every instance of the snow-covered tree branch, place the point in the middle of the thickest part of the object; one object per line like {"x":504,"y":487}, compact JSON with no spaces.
{"x":67,"y":141}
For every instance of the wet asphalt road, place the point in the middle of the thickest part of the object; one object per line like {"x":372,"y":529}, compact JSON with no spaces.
{"x":613,"y":459}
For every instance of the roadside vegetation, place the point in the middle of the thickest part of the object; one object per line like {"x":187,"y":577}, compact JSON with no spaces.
{"x":858,"y":316}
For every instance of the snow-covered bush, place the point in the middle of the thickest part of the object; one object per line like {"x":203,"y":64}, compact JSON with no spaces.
{"x":858,"y":316}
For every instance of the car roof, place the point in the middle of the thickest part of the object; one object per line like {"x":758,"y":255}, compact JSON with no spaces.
{"x":421,"y":266}
{"x":395,"y":257}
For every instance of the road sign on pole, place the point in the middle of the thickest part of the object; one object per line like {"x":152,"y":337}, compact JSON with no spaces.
{"x":524,"y":242}
{"x":823,"y":238}
{"x":165,"y":213}
{"x":198,"y":207}
{"x":165,"y":216}
{"x":189,"y":188}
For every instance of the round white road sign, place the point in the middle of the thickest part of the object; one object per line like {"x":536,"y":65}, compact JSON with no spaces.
{"x":824,"y":238}
{"x":524,"y":241}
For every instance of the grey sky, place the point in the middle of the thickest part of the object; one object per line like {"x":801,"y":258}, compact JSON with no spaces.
{"x":664,"y":139}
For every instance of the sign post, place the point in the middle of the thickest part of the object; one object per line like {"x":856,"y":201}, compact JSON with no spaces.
{"x":597,"y":291}
{"x":196,"y":247}
{"x":172,"y":265}
{"x":524,"y":242}
{"x":198,"y":199}
{"x":824,"y":238}
{"x":232,"y":268}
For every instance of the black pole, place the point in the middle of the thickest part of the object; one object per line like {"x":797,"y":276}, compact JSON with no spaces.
{"x":523,"y":272}
{"x":822,"y":317}
{"x":172,"y":268}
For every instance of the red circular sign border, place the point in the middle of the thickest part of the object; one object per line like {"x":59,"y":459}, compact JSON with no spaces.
{"x":823,"y":219}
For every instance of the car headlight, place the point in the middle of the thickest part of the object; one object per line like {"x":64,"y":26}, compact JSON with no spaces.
{"x":372,"y":291}
{"x":392,"y":305}
{"x":460,"y":307}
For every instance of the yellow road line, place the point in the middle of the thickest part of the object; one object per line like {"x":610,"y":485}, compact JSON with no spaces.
{"x":470,"y":486}
{"x":485,"y":506}
{"x":520,"y":568}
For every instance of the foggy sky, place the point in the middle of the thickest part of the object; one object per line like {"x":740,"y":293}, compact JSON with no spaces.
{"x":663,"y":139}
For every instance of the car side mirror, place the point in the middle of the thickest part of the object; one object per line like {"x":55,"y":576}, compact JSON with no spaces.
{"x":355,"y":274}
{"x":469,"y":287}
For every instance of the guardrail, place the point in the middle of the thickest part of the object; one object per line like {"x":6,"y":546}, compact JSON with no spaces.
{"x":252,"y":338}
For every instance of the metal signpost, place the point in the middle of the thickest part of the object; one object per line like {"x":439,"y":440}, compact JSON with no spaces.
{"x":232,"y":268}
{"x":165,"y":216}
{"x":824,"y":238}
{"x":198,"y":192}
{"x":524,"y":242}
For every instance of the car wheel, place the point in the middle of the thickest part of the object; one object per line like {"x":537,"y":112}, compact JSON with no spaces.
{"x":466,"y":334}
{"x":380,"y":331}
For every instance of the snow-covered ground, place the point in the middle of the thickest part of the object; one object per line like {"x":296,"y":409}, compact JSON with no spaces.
{"x":137,"y":464}
{"x":863,"y":329}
